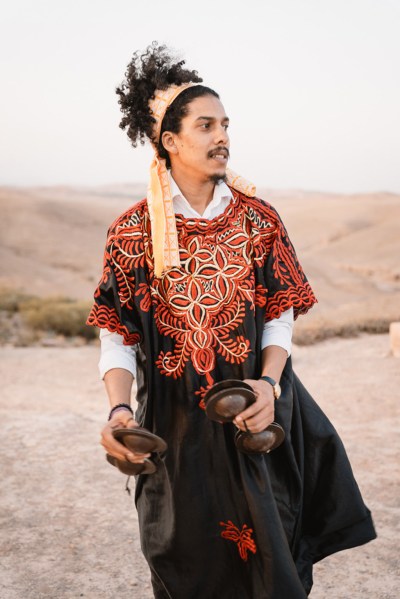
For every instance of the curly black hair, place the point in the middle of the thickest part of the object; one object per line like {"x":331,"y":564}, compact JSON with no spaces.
{"x":155,"y":69}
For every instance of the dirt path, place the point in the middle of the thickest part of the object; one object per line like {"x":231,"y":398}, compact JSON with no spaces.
{"x":69,"y":529}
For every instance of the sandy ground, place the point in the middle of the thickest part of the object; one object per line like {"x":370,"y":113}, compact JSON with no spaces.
{"x":70,"y":530}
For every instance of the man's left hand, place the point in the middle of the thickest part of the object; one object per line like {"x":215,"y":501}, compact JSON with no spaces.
{"x":261,"y":413}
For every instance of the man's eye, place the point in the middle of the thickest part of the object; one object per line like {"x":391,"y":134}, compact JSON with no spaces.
{"x":206,"y":125}
{"x":226,"y":127}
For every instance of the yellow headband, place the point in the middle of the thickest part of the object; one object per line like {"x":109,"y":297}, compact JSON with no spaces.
{"x":162,"y":100}
{"x":159,"y":198}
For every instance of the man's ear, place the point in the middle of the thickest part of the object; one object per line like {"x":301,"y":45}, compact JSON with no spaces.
{"x":168,"y":141}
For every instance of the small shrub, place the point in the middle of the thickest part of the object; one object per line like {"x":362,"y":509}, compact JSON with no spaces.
{"x":11,"y":299}
{"x":62,"y":316}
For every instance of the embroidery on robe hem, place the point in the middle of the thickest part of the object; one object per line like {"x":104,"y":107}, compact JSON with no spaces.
{"x":301,"y":298}
{"x":243,"y":538}
{"x":107,"y":318}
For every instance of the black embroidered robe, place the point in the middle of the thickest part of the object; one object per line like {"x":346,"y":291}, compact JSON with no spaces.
{"x":215,"y":522}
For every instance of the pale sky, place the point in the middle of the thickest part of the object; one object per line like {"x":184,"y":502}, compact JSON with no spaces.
{"x":312,"y":87}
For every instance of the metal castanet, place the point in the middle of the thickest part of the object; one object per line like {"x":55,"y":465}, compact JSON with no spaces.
{"x":225,"y":400}
{"x":131,"y":469}
{"x":137,"y":440}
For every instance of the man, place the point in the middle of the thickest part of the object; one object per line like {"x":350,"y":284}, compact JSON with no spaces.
{"x":201,"y":284}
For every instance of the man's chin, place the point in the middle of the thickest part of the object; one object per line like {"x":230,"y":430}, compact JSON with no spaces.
{"x":218,"y":178}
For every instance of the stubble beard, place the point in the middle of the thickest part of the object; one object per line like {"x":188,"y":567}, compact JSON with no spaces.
{"x":217,"y":179}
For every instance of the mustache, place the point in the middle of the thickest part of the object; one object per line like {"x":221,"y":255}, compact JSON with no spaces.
{"x":219,"y":150}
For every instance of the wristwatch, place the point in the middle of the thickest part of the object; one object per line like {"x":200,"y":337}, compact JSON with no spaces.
{"x":276,"y":386}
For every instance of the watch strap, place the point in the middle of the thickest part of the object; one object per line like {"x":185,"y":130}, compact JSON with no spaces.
{"x":269,"y":380}
{"x":275,"y":386}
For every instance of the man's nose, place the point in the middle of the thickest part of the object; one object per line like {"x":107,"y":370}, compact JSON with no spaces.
{"x":222,"y":137}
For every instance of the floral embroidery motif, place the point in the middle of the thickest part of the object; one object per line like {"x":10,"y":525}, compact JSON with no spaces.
{"x":242,"y":537}
{"x":203,"y":301}
{"x":201,"y":305}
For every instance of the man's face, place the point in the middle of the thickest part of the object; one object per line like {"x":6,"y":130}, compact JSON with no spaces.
{"x":202,"y":146}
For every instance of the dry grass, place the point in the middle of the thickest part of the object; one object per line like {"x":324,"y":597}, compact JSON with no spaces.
{"x":319,"y":330}
{"x":62,"y":316}
{"x":11,"y":299}
{"x":35,"y":317}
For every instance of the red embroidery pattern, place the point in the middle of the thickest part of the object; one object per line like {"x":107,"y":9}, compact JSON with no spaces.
{"x":145,"y":303}
{"x":126,"y":250}
{"x":104,"y":276}
{"x":203,"y":301}
{"x":301,"y":298}
{"x":261,"y":296}
{"x":202,"y":304}
{"x":242,"y":537}
{"x":285,"y":266}
{"x":105,"y":317}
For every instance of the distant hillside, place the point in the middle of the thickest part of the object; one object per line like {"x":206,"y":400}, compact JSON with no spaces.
{"x":349,"y":247}
{"x":52,"y":239}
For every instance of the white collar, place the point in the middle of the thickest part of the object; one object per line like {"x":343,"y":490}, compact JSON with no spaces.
{"x":221,"y":198}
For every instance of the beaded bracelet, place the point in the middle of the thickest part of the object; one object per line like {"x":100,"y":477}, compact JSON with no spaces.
{"x":120,"y":405}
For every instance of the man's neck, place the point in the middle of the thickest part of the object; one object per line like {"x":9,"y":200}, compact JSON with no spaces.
{"x":198,"y":193}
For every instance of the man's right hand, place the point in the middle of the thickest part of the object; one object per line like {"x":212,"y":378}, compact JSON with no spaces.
{"x":120,"y":419}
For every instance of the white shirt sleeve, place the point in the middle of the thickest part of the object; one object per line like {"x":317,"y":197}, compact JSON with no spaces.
{"x":114,"y":354}
{"x":279,"y":331}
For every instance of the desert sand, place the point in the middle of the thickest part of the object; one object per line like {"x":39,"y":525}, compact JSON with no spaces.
{"x":70,"y":530}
